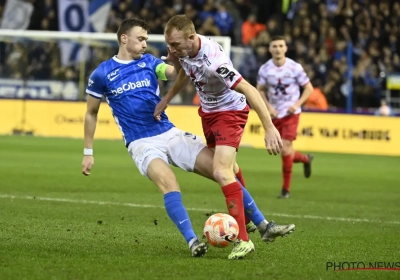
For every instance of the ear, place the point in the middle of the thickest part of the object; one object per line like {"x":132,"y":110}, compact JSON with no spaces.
{"x":124,"y":38}
{"x":191,"y":37}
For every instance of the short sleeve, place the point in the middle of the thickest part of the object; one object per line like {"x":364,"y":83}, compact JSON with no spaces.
{"x":301,"y":76}
{"x":230,"y":76}
{"x":261,"y":80}
{"x":155,"y":62}
{"x":95,"y":85}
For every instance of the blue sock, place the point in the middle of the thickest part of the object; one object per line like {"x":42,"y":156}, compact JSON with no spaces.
{"x":178,"y":214}
{"x":251,"y":209}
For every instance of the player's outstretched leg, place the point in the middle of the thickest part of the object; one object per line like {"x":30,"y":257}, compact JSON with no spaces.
{"x":268,"y":230}
{"x":240,"y":178}
{"x":161,"y":174}
{"x":223,"y":163}
{"x":306,"y":160}
{"x":257,"y":219}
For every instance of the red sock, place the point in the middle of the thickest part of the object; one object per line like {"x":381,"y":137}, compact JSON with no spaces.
{"x":287,"y":163}
{"x":234,"y":201}
{"x":299,"y":157}
{"x":239,"y":176}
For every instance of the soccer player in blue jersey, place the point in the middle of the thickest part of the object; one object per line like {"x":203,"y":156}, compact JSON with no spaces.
{"x":129,"y":83}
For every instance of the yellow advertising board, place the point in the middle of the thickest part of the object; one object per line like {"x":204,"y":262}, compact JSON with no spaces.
{"x":337,"y":133}
{"x":319,"y":132}
{"x":54,"y":119}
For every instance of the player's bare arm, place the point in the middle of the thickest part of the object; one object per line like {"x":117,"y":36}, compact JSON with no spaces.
{"x":172,"y":71}
{"x":93,"y":105}
{"x":182,"y":80}
{"x":180,"y":83}
{"x":308,"y":89}
{"x":263,"y":92}
{"x":273,"y":141}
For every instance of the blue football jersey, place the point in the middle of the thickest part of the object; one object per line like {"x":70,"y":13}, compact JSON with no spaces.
{"x":132,"y":92}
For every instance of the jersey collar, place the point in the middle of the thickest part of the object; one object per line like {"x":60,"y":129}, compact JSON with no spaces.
{"x":121,"y":61}
{"x":196,"y":60}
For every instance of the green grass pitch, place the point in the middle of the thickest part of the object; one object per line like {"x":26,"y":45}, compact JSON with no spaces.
{"x":57,"y":224}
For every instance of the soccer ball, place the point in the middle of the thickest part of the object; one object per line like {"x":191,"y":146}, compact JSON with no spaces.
{"x":221,"y":230}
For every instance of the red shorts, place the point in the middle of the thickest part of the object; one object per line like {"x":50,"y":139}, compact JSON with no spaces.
{"x":224,"y":128}
{"x":287,"y":126}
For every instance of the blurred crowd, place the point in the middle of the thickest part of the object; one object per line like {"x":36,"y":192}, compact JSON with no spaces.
{"x":336,"y":41}
{"x":319,"y":34}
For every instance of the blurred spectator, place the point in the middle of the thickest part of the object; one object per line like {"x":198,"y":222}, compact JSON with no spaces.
{"x":337,"y":41}
{"x":17,"y":62}
{"x":209,"y":28}
{"x":317,"y":100}
{"x":250,"y":29}
{"x":224,"y":20}
{"x":384,"y":109}
{"x":208,"y":10}
{"x":244,"y":8}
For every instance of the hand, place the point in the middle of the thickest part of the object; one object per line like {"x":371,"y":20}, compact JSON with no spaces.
{"x":87,"y":164}
{"x":273,"y":112}
{"x":292,"y":109}
{"x":172,"y":58}
{"x":161,"y":106}
{"x":273,"y":140}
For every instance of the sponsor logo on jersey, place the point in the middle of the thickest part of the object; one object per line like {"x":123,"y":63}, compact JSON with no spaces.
{"x":131,"y":86}
{"x":113,"y":75}
{"x":226,"y":73}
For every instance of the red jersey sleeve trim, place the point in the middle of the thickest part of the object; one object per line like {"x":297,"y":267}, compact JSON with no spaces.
{"x":236,"y":83}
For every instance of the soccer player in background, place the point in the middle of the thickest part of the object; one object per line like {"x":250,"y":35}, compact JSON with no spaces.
{"x":223,"y":109}
{"x":280,"y":79}
{"x":129,"y":83}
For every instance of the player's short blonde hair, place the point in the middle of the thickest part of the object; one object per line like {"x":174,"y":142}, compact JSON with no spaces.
{"x":180,"y":23}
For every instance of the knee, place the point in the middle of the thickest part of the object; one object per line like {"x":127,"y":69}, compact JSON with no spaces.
{"x":287,"y":147}
{"x":235,"y":168}
{"x":223,"y":175}
{"x":168,"y":184}
{"x":165,"y":180}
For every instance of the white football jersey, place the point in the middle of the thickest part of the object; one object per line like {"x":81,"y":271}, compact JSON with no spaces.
{"x":214,"y":77}
{"x":283,"y":84}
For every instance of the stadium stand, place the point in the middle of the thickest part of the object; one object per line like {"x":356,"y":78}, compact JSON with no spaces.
{"x":318,"y":33}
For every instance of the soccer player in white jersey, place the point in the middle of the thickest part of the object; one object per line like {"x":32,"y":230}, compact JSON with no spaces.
{"x":280,"y":79}
{"x":129,"y":83}
{"x":223,"y":109}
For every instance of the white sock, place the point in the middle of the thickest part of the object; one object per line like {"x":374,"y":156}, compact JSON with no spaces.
{"x":192,"y":241}
{"x":263,"y":224}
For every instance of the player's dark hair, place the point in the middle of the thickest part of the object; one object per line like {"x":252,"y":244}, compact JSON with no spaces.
{"x":130,"y":23}
{"x":277,"y":38}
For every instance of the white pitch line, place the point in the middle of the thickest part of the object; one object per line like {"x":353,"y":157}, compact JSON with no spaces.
{"x":311,"y":217}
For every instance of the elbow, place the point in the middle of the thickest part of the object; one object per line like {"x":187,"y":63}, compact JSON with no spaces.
{"x":92,"y":113}
{"x":310,"y":90}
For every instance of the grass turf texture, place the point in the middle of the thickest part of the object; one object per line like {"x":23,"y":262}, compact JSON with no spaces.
{"x":71,"y":235}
